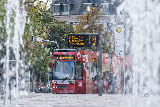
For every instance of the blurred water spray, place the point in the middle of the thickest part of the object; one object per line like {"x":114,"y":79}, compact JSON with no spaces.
{"x":145,"y":50}
{"x":15,"y":24}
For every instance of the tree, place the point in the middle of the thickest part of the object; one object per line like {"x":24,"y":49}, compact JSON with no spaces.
{"x":90,"y":23}
{"x":3,"y":34}
{"x":57,"y":32}
{"x":42,"y":24}
{"x":37,"y":54}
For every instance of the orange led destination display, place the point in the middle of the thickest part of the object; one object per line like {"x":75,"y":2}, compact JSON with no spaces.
{"x":94,"y":59}
{"x":64,"y":57}
{"x":82,"y":40}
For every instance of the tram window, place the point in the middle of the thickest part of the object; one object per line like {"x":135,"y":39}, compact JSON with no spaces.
{"x":94,"y":71}
{"x":79,"y":70}
{"x":88,"y":70}
{"x":91,"y":70}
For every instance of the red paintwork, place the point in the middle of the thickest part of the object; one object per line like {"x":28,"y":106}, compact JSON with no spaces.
{"x":90,"y":86}
{"x":70,"y":88}
{"x":42,"y":86}
{"x":65,"y":53}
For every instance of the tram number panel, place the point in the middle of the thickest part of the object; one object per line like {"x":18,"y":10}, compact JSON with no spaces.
{"x":64,"y":57}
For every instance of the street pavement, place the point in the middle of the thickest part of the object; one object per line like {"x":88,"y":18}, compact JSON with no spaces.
{"x":80,"y":100}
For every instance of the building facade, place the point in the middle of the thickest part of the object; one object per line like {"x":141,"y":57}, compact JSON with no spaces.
{"x":68,"y":10}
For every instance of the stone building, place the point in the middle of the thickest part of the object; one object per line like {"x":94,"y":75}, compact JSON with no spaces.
{"x":68,"y":10}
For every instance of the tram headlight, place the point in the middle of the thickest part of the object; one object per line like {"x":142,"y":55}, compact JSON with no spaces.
{"x":54,"y":82}
{"x":72,"y":82}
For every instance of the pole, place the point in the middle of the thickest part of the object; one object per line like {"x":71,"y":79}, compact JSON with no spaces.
{"x":48,"y":76}
{"x":100,"y":65}
{"x":111,"y":75}
{"x":124,"y":57}
{"x":48,"y":80}
{"x":32,"y":78}
{"x":10,"y":91}
{"x":110,"y":54}
{"x":29,"y":81}
{"x":124,"y":73}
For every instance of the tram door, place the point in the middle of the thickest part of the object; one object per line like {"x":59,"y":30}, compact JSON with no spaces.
{"x":79,"y":78}
{"x":91,"y":78}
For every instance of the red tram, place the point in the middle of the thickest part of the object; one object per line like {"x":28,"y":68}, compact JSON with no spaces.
{"x":76,"y":71}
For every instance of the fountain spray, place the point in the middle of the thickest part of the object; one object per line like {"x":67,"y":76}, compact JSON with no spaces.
{"x":15,"y":24}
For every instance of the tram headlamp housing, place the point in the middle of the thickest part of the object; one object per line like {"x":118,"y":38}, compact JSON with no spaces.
{"x":54,"y":82}
{"x":72,"y":82}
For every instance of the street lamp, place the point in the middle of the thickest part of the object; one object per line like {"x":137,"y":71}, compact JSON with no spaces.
{"x":88,"y":4}
{"x":99,"y":51}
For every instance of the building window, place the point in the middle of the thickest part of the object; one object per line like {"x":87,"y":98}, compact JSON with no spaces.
{"x":79,"y":70}
{"x":87,"y":5}
{"x":71,"y":23}
{"x":65,"y":9}
{"x":56,"y":8}
{"x":105,"y":7}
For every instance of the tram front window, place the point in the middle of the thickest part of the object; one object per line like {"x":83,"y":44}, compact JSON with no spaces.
{"x":64,"y":70}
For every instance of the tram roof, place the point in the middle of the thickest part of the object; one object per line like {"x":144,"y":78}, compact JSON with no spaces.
{"x":64,"y":50}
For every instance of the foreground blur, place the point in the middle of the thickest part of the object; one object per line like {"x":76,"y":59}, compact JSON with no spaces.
{"x":79,"y":100}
